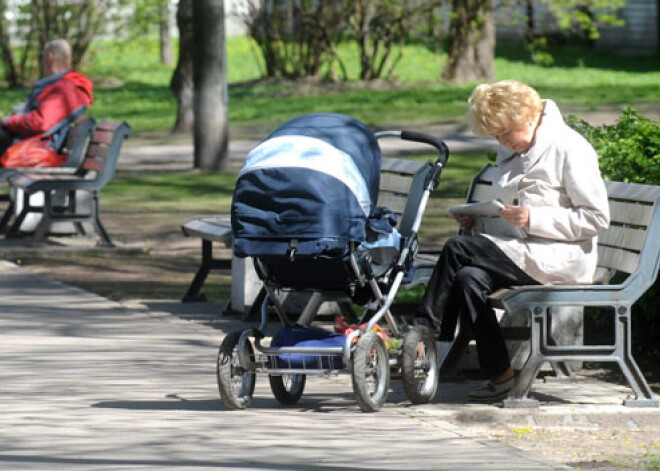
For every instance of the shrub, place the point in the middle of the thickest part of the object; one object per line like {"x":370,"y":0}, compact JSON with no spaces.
{"x":629,"y":151}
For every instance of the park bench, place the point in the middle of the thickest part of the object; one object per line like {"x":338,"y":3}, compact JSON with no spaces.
{"x":396,"y":182}
{"x":95,"y":171}
{"x":73,"y":149}
{"x":629,"y":249}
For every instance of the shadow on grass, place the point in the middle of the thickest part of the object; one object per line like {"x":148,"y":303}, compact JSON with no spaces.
{"x":568,"y":56}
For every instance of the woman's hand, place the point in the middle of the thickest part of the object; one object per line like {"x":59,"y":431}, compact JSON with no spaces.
{"x":465,"y":221}
{"x":515,"y":215}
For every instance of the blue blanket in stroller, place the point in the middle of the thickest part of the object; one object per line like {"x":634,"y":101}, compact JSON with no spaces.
{"x":299,"y":336}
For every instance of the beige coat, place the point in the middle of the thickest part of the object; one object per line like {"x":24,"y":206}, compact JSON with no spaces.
{"x":558,"y":180}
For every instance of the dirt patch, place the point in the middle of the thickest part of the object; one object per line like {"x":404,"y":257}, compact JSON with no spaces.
{"x":151,"y":260}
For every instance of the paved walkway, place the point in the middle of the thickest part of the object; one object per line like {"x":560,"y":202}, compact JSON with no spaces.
{"x":89,"y":384}
{"x":178,"y":155}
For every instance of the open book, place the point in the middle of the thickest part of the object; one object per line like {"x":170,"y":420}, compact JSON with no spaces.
{"x":489,"y":209}
{"x":487,"y":219}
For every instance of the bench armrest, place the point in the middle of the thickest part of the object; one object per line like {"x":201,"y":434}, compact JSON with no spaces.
{"x":521,"y":297}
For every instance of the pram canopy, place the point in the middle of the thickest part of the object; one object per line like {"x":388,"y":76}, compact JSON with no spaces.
{"x":313,"y":181}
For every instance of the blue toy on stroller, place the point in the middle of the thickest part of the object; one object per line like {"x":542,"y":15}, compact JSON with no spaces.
{"x":305,"y":209}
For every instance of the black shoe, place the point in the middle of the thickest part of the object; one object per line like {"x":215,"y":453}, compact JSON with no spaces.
{"x":492,"y":392}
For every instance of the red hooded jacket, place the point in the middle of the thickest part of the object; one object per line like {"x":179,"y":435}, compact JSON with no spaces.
{"x":54,"y":103}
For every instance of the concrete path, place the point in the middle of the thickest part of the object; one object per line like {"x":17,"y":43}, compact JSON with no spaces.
{"x":179,"y":155}
{"x":88,"y":384}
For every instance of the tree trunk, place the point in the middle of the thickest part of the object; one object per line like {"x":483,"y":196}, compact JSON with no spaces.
{"x":529,"y":33}
{"x":182,"y":80}
{"x":12,"y":74}
{"x":165,"y":35}
{"x":210,"y":78}
{"x":472,"y":42}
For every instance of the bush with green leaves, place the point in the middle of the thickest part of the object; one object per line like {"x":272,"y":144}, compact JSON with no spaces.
{"x":629,"y":150}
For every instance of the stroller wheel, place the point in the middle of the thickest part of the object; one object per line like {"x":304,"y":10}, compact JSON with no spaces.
{"x":419,"y":365}
{"x":235,"y":372}
{"x":370,"y":372}
{"x":287,"y":388}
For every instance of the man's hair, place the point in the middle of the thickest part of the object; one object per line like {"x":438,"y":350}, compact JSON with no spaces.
{"x":495,"y":108}
{"x":61,"y":51}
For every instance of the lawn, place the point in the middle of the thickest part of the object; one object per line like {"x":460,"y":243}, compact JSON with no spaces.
{"x":131,"y":84}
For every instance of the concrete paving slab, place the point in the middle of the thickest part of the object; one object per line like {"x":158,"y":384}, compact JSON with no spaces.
{"x":89,"y":384}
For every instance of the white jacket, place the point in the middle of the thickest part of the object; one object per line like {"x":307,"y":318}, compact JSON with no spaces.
{"x":559,"y":181}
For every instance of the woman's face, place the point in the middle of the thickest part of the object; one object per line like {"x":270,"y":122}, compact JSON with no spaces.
{"x":519,"y":137}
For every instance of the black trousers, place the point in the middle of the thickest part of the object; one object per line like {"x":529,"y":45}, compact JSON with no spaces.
{"x":6,"y":139}
{"x":469,"y":269}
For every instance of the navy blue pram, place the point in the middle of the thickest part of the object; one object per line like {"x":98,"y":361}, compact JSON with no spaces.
{"x":305,"y":209}
{"x":305,"y":195}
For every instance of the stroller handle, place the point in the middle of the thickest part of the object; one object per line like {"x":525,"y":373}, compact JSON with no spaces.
{"x":436,"y":142}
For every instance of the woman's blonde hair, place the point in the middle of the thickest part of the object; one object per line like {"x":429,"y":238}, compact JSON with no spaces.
{"x":498,"y":107}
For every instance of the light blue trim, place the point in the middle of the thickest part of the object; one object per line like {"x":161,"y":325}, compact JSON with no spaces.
{"x":310,"y":153}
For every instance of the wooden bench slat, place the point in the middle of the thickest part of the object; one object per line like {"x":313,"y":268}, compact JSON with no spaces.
{"x":618,"y":259}
{"x":409,"y":167}
{"x":102,"y":136}
{"x":96,"y":150}
{"x":107,"y":125}
{"x":396,"y":203}
{"x":94,"y":164}
{"x":632,"y":191}
{"x":395,"y":183}
{"x":630,"y":213}
{"x":218,"y":230}
{"x":625,"y":237}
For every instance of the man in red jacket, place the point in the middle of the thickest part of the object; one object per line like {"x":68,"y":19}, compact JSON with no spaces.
{"x":53,"y":100}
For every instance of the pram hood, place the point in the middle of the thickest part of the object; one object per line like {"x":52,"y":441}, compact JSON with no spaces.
{"x":314,"y":180}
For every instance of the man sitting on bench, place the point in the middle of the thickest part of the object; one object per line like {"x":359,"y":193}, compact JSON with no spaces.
{"x":54,"y":102}
{"x":554,"y":204}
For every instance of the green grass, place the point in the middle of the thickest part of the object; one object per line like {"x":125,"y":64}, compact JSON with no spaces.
{"x":131,"y":84}
{"x":169,"y":191}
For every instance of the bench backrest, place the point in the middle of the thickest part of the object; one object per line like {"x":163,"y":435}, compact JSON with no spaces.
{"x":103,"y":150}
{"x":76,"y":141}
{"x":632,"y":242}
{"x":401,"y":188}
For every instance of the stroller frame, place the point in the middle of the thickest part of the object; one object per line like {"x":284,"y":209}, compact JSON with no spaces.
{"x":363,"y":353}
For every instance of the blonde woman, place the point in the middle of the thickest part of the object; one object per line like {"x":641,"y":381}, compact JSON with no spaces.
{"x":555,"y":206}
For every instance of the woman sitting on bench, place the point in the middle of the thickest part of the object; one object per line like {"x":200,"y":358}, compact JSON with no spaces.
{"x":555,"y":205}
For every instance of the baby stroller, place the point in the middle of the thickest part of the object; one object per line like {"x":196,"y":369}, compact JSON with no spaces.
{"x":305,"y":209}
